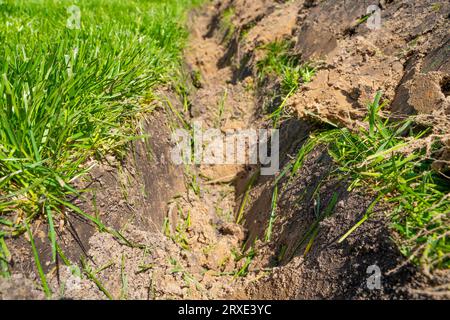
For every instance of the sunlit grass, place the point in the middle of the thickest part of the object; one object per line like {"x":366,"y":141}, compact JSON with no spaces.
{"x":68,"y":95}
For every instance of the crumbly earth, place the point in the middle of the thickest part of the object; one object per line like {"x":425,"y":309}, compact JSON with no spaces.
{"x":179,"y":221}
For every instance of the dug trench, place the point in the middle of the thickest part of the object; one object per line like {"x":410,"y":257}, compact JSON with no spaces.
{"x":177,"y":235}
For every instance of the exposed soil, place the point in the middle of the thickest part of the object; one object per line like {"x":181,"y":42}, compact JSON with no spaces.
{"x":183,"y":242}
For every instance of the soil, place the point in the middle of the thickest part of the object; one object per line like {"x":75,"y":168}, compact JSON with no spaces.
{"x":180,"y":221}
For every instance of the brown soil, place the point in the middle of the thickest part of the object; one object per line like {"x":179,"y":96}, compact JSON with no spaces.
{"x":183,"y":239}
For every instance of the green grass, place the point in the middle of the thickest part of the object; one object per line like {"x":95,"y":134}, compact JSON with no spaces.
{"x":391,"y":160}
{"x":222,"y":102}
{"x":248,"y":257}
{"x":280,"y":62}
{"x":188,"y":278}
{"x":70,"y":95}
{"x":181,"y":230}
{"x":179,"y":234}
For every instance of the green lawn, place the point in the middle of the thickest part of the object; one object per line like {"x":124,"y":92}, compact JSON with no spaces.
{"x":68,"y":94}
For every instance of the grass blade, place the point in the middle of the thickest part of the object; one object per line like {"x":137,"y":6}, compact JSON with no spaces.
{"x":41,"y":273}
